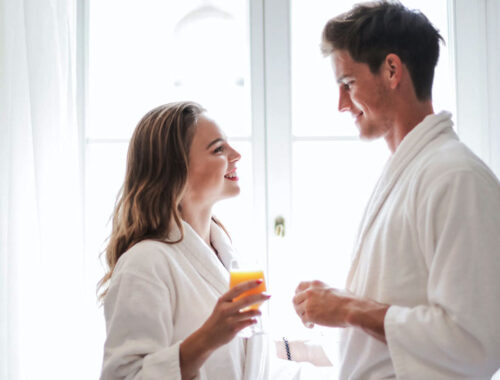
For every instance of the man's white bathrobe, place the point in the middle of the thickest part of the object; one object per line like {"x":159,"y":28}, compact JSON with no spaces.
{"x":429,"y":244}
{"x":160,"y":294}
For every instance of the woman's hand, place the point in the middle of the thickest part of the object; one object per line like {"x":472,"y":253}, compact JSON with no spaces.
{"x":221,"y":327}
{"x":230,"y":317}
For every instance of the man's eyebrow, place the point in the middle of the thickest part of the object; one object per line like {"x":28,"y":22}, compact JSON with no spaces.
{"x":339,"y":80}
{"x":214,"y":142}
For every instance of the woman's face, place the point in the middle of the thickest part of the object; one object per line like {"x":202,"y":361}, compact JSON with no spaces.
{"x":212,"y":165}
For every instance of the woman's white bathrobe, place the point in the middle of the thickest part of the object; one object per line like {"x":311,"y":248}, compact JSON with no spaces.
{"x":429,"y":244}
{"x":161,"y":293}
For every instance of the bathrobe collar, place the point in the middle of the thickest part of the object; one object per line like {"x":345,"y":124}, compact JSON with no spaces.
{"x":204,"y":259}
{"x":413,"y":143}
{"x":216,"y":272}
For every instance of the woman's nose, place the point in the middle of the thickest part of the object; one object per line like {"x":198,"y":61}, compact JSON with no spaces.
{"x":234,"y":156}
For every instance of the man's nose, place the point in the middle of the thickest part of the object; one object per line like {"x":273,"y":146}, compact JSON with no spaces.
{"x":344,"y":101}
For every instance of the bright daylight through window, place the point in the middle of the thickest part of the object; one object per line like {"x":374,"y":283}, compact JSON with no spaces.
{"x":158,"y":52}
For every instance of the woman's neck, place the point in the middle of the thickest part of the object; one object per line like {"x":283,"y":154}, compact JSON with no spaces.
{"x":199,"y":218}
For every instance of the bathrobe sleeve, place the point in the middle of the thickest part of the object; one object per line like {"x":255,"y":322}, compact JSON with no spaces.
{"x":457,"y":332}
{"x":139,"y":322}
{"x":281,"y":369}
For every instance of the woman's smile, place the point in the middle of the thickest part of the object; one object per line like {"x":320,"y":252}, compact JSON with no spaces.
{"x":232,"y":175}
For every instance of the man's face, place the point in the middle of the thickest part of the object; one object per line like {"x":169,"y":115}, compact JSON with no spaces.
{"x":363,"y":94}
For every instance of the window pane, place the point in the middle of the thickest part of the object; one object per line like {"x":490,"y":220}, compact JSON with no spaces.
{"x":314,"y":91}
{"x":158,"y":52}
{"x":332,"y":182}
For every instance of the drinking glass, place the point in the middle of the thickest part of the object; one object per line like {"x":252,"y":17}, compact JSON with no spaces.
{"x":237,"y":276}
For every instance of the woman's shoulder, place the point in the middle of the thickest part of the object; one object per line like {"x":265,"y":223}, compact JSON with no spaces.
{"x":146,"y":258}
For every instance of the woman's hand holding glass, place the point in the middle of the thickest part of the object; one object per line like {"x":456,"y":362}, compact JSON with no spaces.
{"x":232,"y":314}
{"x":228,"y":318}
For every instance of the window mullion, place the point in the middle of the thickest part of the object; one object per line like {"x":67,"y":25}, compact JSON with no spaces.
{"x":278,"y":124}
{"x":258,"y":99}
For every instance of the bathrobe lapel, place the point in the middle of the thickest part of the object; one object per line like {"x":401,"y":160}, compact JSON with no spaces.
{"x":257,"y":356}
{"x":216,"y":272}
{"x":412,"y":144}
{"x":204,"y":259}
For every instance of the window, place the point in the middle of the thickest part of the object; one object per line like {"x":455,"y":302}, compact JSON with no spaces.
{"x":256,"y":67}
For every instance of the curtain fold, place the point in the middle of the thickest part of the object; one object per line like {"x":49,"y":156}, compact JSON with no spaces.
{"x":41,"y":246}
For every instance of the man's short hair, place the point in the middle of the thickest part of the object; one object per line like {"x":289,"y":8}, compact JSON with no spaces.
{"x":370,"y":31}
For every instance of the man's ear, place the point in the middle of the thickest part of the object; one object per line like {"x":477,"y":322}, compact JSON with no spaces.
{"x":393,"y":70}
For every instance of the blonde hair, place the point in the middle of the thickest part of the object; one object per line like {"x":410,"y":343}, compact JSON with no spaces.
{"x":155,"y":180}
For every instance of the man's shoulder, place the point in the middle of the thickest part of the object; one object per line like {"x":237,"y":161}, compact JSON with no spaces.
{"x":447,"y":162}
{"x":448,"y":156}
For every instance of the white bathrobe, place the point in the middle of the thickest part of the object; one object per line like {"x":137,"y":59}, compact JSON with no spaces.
{"x":160,"y":294}
{"x":429,"y":245}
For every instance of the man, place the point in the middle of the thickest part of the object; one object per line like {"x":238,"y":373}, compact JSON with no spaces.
{"x":423,"y":293}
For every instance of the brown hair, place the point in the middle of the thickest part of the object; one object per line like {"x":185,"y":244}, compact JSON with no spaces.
{"x":370,"y":31}
{"x":155,"y":180}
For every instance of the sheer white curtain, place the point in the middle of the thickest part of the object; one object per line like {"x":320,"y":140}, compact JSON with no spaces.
{"x":41,"y":245}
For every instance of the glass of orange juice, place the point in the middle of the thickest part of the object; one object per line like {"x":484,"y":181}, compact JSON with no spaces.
{"x":237,"y":276}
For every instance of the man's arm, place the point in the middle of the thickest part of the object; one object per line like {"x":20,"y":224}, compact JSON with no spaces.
{"x":456,"y":332}
{"x":315,"y":302}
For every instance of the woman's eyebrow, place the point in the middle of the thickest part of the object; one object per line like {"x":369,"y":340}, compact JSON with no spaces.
{"x":214,"y":142}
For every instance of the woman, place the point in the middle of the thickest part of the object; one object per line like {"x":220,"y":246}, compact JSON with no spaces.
{"x":167,"y":309}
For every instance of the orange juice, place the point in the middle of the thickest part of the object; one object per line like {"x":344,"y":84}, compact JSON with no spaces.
{"x":237,"y":277}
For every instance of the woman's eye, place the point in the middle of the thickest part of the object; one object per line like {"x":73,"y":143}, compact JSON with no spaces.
{"x":219,"y":149}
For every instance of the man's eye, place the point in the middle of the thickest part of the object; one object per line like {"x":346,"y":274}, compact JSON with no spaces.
{"x":347,"y":86}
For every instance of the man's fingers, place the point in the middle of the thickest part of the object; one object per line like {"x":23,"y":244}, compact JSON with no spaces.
{"x":299,"y":298}
{"x":302,"y":315}
{"x":303,"y":286}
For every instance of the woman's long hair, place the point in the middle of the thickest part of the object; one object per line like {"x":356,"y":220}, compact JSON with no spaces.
{"x":155,"y":180}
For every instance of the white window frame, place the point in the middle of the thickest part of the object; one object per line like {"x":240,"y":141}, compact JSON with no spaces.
{"x":476,"y":45}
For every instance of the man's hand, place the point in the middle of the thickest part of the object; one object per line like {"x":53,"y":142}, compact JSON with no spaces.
{"x":316,"y":302}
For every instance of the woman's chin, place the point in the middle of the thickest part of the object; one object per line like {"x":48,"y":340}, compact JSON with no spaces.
{"x":233,"y":192}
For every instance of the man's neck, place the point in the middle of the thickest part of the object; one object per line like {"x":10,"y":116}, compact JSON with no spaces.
{"x":407,"y":118}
